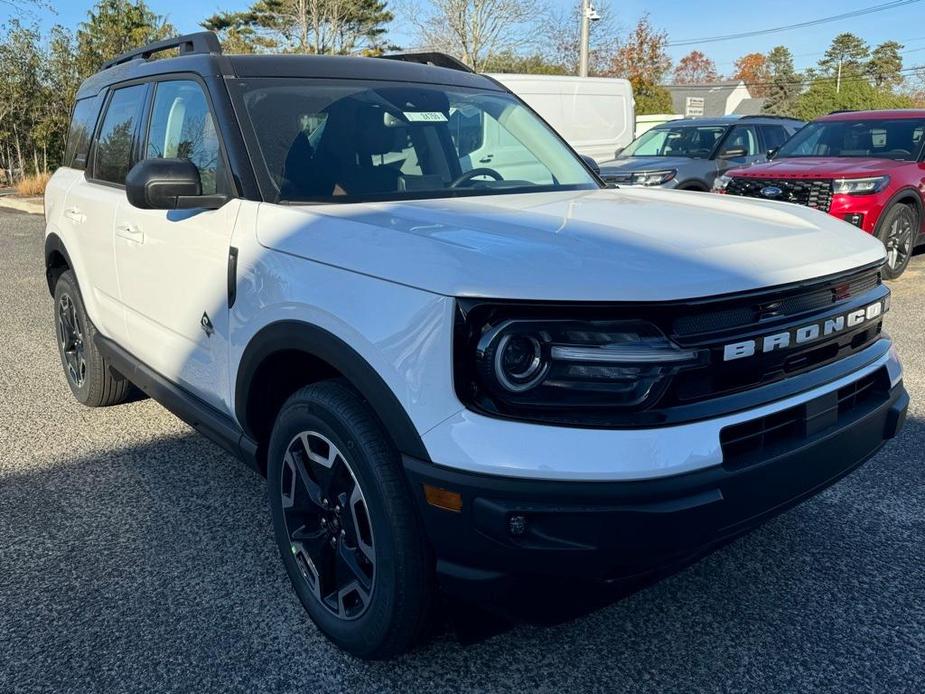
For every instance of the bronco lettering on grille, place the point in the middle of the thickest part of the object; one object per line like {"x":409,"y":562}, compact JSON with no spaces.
{"x":803,"y":334}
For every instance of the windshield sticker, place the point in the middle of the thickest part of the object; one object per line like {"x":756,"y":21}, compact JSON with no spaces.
{"x":424,"y":116}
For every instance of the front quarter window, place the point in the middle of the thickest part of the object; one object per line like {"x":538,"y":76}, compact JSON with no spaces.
{"x":326,"y":141}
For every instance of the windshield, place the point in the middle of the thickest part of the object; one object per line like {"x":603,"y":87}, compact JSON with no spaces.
{"x":324,"y":141}
{"x":683,"y":141}
{"x":898,"y":139}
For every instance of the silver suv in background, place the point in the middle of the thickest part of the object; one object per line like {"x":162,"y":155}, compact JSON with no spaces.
{"x":690,"y":154}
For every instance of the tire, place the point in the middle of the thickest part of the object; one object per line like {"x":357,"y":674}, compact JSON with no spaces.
{"x":898,"y":230}
{"x":345,"y":522}
{"x":92,"y":380}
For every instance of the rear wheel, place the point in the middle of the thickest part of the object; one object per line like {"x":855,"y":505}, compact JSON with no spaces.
{"x":345,"y":522}
{"x":92,"y":380}
{"x":898,"y":230}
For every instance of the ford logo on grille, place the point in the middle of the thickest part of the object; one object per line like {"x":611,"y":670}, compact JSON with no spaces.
{"x":771,"y":192}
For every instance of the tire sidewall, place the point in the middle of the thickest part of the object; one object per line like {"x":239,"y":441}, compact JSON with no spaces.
{"x":66,"y":285}
{"x":365,"y":632}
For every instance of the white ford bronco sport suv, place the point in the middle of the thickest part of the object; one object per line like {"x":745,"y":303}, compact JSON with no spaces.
{"x":453,"y":373}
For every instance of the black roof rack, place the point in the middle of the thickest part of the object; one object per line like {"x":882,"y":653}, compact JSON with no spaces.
{"x":430,"y":58}
{"x":200,"y":42}
{"x":842,"y":110}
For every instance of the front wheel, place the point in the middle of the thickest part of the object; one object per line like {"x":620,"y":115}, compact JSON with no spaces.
{"x":898,"y":230}
{"x":345,"y":522}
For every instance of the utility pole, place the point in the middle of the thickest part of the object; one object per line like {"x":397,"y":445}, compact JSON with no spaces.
{"x":584,"y":48}
{"x":838,"y":79}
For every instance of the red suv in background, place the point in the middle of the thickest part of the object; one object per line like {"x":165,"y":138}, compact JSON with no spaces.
{"x":864,"y":167}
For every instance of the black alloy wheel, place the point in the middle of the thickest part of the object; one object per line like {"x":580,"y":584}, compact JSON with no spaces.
{"x":328,"y":524}
{"x":71,"y":341}
{"x":346,"y":524}
{"x":898,"y":230}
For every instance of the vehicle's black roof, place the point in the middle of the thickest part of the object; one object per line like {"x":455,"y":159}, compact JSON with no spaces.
{"x":725,"y":120}
{"x":317,"y":66}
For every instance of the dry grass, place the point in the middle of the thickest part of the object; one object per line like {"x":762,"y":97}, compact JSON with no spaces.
{"x":32,"y":186}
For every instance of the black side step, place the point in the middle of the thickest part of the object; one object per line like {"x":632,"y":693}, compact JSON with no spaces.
{"x":204,"y":418}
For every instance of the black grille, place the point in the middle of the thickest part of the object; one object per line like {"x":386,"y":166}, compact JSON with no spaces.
{"x":815,"y":193}
{"x":767,"y":306}
{"x":762,"y":438}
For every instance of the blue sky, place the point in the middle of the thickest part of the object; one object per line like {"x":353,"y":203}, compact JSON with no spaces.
{"x":682,"y":20}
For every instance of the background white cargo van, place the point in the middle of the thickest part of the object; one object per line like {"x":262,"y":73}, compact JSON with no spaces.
{"x":595,"y":115}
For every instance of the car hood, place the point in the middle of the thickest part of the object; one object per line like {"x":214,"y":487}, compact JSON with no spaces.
{"x":616,"y":166}
{"x":600,"y":245}
{"x":820,"y":167}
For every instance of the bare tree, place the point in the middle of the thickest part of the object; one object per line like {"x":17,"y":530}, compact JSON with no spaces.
{"x":475,"y":30}
{"x":562,"y":38}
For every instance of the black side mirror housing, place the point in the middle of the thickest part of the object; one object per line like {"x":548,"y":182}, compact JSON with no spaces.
{"x":168,"y":184}
{"x":733,"y":153}
{"x":772,"y":153}
{"x":592,"y":164}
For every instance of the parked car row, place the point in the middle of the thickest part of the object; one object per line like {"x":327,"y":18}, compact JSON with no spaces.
{"x":864,"y":167}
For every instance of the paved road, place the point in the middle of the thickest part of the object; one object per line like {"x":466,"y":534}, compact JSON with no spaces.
{"x":136,"y":556}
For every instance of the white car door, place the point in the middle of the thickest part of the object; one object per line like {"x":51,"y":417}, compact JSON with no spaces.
{"x":173,"y":264}
{"x":89,"y":209}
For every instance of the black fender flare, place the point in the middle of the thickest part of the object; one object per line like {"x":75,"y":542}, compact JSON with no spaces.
{"x":291,"y":335}
{"x":54,"y":244}
{"x":902,"y":193}
{"x":906,"y":192}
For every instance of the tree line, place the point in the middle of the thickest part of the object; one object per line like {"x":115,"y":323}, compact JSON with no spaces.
{"x":39,"y":74}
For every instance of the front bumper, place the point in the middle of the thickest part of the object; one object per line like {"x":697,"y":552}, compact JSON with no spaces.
{"x":607,"y":530}
{"x":868,"y":208}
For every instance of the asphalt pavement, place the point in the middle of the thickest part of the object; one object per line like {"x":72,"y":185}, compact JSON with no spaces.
{"x":137,"y":556}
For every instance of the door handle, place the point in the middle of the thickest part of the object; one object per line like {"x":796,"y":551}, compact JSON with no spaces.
{"x":75,"y":215}
{"x":486,"y":159}
{"x":130,"y":232}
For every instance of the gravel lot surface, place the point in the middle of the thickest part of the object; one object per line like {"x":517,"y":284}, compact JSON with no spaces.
{"x":136,"y":556}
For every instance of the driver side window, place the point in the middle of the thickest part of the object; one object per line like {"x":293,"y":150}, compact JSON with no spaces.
{"x":182,"y":127}
{"x":742,"y":137}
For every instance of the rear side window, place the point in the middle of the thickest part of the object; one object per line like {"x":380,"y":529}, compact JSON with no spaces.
{"x":83,"y":121}
{"x":182,"y":127}
{"x":113,"y":156}
{"x":774,"y":135}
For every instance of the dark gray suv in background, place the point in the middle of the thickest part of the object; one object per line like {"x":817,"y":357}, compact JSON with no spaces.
{"x":689,"y":154}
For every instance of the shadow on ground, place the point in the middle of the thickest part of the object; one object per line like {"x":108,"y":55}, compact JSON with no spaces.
{"x":153,"y":567}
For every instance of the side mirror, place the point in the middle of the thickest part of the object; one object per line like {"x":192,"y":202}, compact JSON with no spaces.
{"x":592,"y":164}
{"x":168,"y":184}
{"x":772,"y":153}
{"x":733,"y":153}
{"x":618,"y":151}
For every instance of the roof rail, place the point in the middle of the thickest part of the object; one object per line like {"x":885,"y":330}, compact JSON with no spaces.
{"x":200,"y":42}
{"x":430,"y":58}
{"x":768,"y":115}
{"x":842,"y":110}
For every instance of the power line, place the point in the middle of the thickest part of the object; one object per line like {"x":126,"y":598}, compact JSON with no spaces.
{"x":801,"y":82}
{"x":813,"y":22}
{"x":809,"y":55}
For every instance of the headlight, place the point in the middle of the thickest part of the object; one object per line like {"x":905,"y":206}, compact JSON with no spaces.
{"x":533,"y":367}
{"x":652,"y":178}
{"x":859,"y":186}
{"x":719,"y":185}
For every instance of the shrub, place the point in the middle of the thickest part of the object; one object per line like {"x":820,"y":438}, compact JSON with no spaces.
{"x":33,"y":186}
